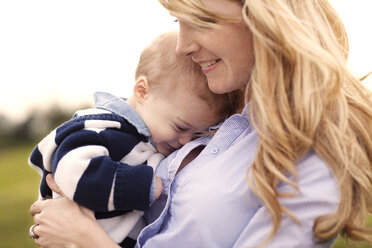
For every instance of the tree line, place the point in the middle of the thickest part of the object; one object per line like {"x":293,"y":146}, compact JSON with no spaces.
{"x":34,"y":127}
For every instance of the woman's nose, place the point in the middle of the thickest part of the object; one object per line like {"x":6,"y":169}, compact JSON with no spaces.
{"x":186,"y":44}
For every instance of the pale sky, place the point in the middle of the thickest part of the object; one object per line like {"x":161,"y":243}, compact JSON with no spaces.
{"x":66,"y":50}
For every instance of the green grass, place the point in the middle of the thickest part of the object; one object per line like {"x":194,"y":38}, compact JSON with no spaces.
{"x":18,"y":190}
{"x":340,"y":243}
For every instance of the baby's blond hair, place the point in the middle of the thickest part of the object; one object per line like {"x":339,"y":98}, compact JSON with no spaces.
{"x":159,"y":60}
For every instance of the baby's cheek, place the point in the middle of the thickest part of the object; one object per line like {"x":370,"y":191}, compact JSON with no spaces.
{"x":162,"y":136}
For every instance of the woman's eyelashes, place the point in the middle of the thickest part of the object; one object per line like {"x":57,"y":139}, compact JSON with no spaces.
{"x":207,"y":19}
{"x":203,"y":20}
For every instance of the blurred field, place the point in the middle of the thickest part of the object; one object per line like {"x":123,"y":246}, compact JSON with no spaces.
{"x":18,"y":189}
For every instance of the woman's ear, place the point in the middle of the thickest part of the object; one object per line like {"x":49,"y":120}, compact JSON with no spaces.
{"x":141,"y":89}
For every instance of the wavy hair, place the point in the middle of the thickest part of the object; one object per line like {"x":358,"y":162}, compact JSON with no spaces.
{"x":301,"y":83}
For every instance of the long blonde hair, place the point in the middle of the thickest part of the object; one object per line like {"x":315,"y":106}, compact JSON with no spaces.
{"x":303,"y":97}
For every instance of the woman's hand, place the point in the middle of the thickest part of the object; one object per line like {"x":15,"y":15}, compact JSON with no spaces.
{"x":63,"y":223}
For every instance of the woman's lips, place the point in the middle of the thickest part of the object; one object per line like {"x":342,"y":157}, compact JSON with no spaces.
{"x":209,"y":65}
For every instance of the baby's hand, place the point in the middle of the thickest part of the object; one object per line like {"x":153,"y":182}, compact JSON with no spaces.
{"x":158,"y":187}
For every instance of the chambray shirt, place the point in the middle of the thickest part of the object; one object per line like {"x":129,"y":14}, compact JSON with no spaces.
{"x":209,"y":203}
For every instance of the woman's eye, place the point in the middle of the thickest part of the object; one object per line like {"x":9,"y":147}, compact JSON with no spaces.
{"x":175,"y":20}
{"x":207,"y":19}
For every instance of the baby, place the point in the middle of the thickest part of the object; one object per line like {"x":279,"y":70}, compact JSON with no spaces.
{"x":104,"y":158}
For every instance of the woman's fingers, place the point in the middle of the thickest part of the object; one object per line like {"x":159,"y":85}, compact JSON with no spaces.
{"x":40,"y":233}
{"x":53,"y":185}
{"x":36,"y":207}
{"x":56,"y":220}
{"x":52,"y":216}
{"x":34,"y":229}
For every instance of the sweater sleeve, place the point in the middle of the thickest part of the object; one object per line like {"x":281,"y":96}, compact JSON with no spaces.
{"x":86,"y":157}
{"x":87,"y":168}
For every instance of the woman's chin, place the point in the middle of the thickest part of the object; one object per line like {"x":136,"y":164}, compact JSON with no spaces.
{"x":217,"y":87}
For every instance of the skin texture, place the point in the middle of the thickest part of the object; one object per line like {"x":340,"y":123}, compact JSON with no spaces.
{"x":230,"y":44}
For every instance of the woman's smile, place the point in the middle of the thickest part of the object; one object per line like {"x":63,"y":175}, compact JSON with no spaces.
{"x":225,"y":53}
{"x":209,"y":65}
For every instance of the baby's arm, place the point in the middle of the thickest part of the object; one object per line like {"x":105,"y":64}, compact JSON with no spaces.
{"x":86,"y":167}
{"x":90,"y":174}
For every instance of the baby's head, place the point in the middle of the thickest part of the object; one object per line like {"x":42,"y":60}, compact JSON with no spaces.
{"x":172,"y":97}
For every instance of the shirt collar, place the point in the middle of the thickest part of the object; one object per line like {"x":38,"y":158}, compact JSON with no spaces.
{"x":245,"y":111}
{"x":245,"y":114}
{"x":120,"y":107}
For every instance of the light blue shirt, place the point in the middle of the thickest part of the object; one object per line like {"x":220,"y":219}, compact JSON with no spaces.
{"x":209,"y":203}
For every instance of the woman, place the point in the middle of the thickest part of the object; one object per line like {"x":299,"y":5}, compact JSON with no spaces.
{"x":293,"y":170}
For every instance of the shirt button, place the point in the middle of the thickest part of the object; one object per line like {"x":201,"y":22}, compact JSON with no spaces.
{"x":214,"y":150}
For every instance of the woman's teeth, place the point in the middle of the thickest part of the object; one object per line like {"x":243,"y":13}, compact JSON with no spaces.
{"x":209,"y":63}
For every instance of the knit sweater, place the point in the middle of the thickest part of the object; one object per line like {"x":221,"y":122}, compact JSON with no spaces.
{"x":102,"y":162}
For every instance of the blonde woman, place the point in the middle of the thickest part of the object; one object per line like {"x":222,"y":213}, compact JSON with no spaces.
{"x":292,"y":169}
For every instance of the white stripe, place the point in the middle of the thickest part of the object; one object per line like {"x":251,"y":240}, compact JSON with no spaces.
{"x":91,"y":111}
{"x":110,"y":205}
{"x":47,"y":147}
{"x":154,"y":160}
{"x":139,"y":154}
{"x":72,"y":166}
{"x":119,"y":227}
{"x":101,"y":124}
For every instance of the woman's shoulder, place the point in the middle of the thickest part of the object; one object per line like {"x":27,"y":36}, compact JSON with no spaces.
{"x":313,"y":162}
{"x":315,"y":177}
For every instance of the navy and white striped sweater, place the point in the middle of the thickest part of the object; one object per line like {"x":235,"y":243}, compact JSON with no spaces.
{"x":100,"y":161}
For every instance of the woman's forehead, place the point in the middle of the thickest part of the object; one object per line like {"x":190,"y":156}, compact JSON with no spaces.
{"x":200,"y":12}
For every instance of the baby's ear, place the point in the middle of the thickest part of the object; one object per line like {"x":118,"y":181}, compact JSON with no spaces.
{"x":141,"y":89}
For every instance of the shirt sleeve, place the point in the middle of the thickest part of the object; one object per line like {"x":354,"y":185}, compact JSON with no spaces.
{"x":318,"y":196}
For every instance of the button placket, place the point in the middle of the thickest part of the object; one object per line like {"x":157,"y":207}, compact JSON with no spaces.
{"x":214,"y":150}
